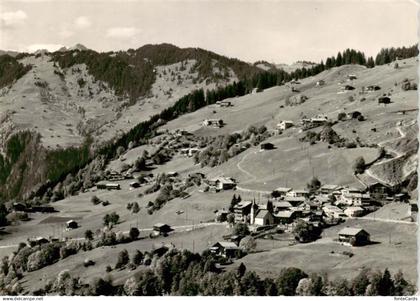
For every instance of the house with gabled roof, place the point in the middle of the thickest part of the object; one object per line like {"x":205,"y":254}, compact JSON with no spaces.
{"x":353,"y":236}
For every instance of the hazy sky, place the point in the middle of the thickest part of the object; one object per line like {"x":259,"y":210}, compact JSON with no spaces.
{"x":276,"y":31}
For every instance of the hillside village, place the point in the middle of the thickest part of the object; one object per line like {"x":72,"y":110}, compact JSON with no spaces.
{"x":318,"y":169}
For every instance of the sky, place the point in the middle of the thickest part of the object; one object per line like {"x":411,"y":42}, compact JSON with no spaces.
{"x":251,"y":30}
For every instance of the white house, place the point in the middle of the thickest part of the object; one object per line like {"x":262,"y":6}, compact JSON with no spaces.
{"x":354,"y":211}
{"x":285,"y":124}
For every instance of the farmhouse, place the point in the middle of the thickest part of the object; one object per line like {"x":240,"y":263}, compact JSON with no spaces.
{"x":377,"y":187}
{"x":221,"y":215}
{"x":72,"y":224}
{"x":37,"y":241}
{"x":285,"y":217}
{"x":298,"y":193}
{"x":354,"y":211}
{"x":17,"y":206}
{"x":347,"y":88}
{"x":225,"y":248}
{"x":281,"y":206}
{"x":295,"y":200}
{"x":267,"y":146}
{"x":135,"y":184}
{"x":242,"y":210}
{"x":222,"y":183}
{"x":264,"y":218}
{"x":223,"y":103}
{"x":162,"y":229}
{"x":285,"y":124}
{"x":282,"y":191}
{"x":313,"y":122}
{"x":333,"y":211}
{"x":109,"y":186}
{"x":372,"y":88}
{"x":328,"y":188}
{"x":217,"y":123}
{"x":354,"y":236}
{"x":384,"y":100}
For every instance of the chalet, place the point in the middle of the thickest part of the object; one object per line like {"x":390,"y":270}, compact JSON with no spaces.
{"x":295,"y":200}
{"x":333,"y":211}
{"x":354,"y":115}
{"x":322,"y":199}
{"x":354,"y":211}
{"x":42,"y":209}
{"x":351,"y":77}
{"x":384,"y":100}
{"x":282,"y":191}
{"x":264,"y":218}
{"x":401,"y":197}
{"x":223,"y":183}
{"x":320,"y":83}
{"x":267,"y":146}
{"x":356,"y":199}
{"x":328,"y":188}
{"x":109,"y":186}
{"x":135,"y":184}
{"x":353,"y":236}
{"x":347,"y":88}
{"x":313,"y":122}
{"x":281,"y":206}
{"x":372,"y":88}
{"x":72,"y":224}
{"x":37,"y":241}
{"x":223,"y":103}
{"x":378,"y":188}
{"x":17,"y":206}
{"x":242,"y":210}
{"x":309,"y":205}
{"x":162,"y":229}
{"x":298,"y":193}
{"x":316,"y":216}
{"x":226,"y":249}
{"x":217,"y":123}
{"x":285,"y":217}
{"x":285,"y":124}
{"x":172,"y":174}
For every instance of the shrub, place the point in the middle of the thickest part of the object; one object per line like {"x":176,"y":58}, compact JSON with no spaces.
{"x":359,"y":165}
{"x":123,"y":259}
{"x":95,"y":200}
{"x":137,"y":258}
{"x":134,"y":233}
{"x":111,"y":219}
{"x":241,"y":229}
{"x":89,"y":235}
{"x":341,"y":116}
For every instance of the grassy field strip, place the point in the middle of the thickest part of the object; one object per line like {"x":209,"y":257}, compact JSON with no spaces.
{"x":383,"y":220}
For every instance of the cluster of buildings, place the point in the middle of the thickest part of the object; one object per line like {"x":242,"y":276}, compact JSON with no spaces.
{"x":309,"y":123}
{"x":330,"y":203}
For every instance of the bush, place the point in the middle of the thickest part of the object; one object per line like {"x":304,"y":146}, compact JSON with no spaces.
{"x":111,"y":219}
{"x":137,"y":258}
{"x":134,"y":233}
{"x":95,"y":200}
{"x":341,"y":116}
{"x":359,"y":165}
{"x":241,"y":229}
{"x":123,"y":259}
{"x":89,"y":235}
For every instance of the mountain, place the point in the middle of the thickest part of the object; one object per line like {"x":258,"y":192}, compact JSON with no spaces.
{"x":78,"y":94}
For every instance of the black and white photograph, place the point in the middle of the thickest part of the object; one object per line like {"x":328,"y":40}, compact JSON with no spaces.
{"x":208,"y":148}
